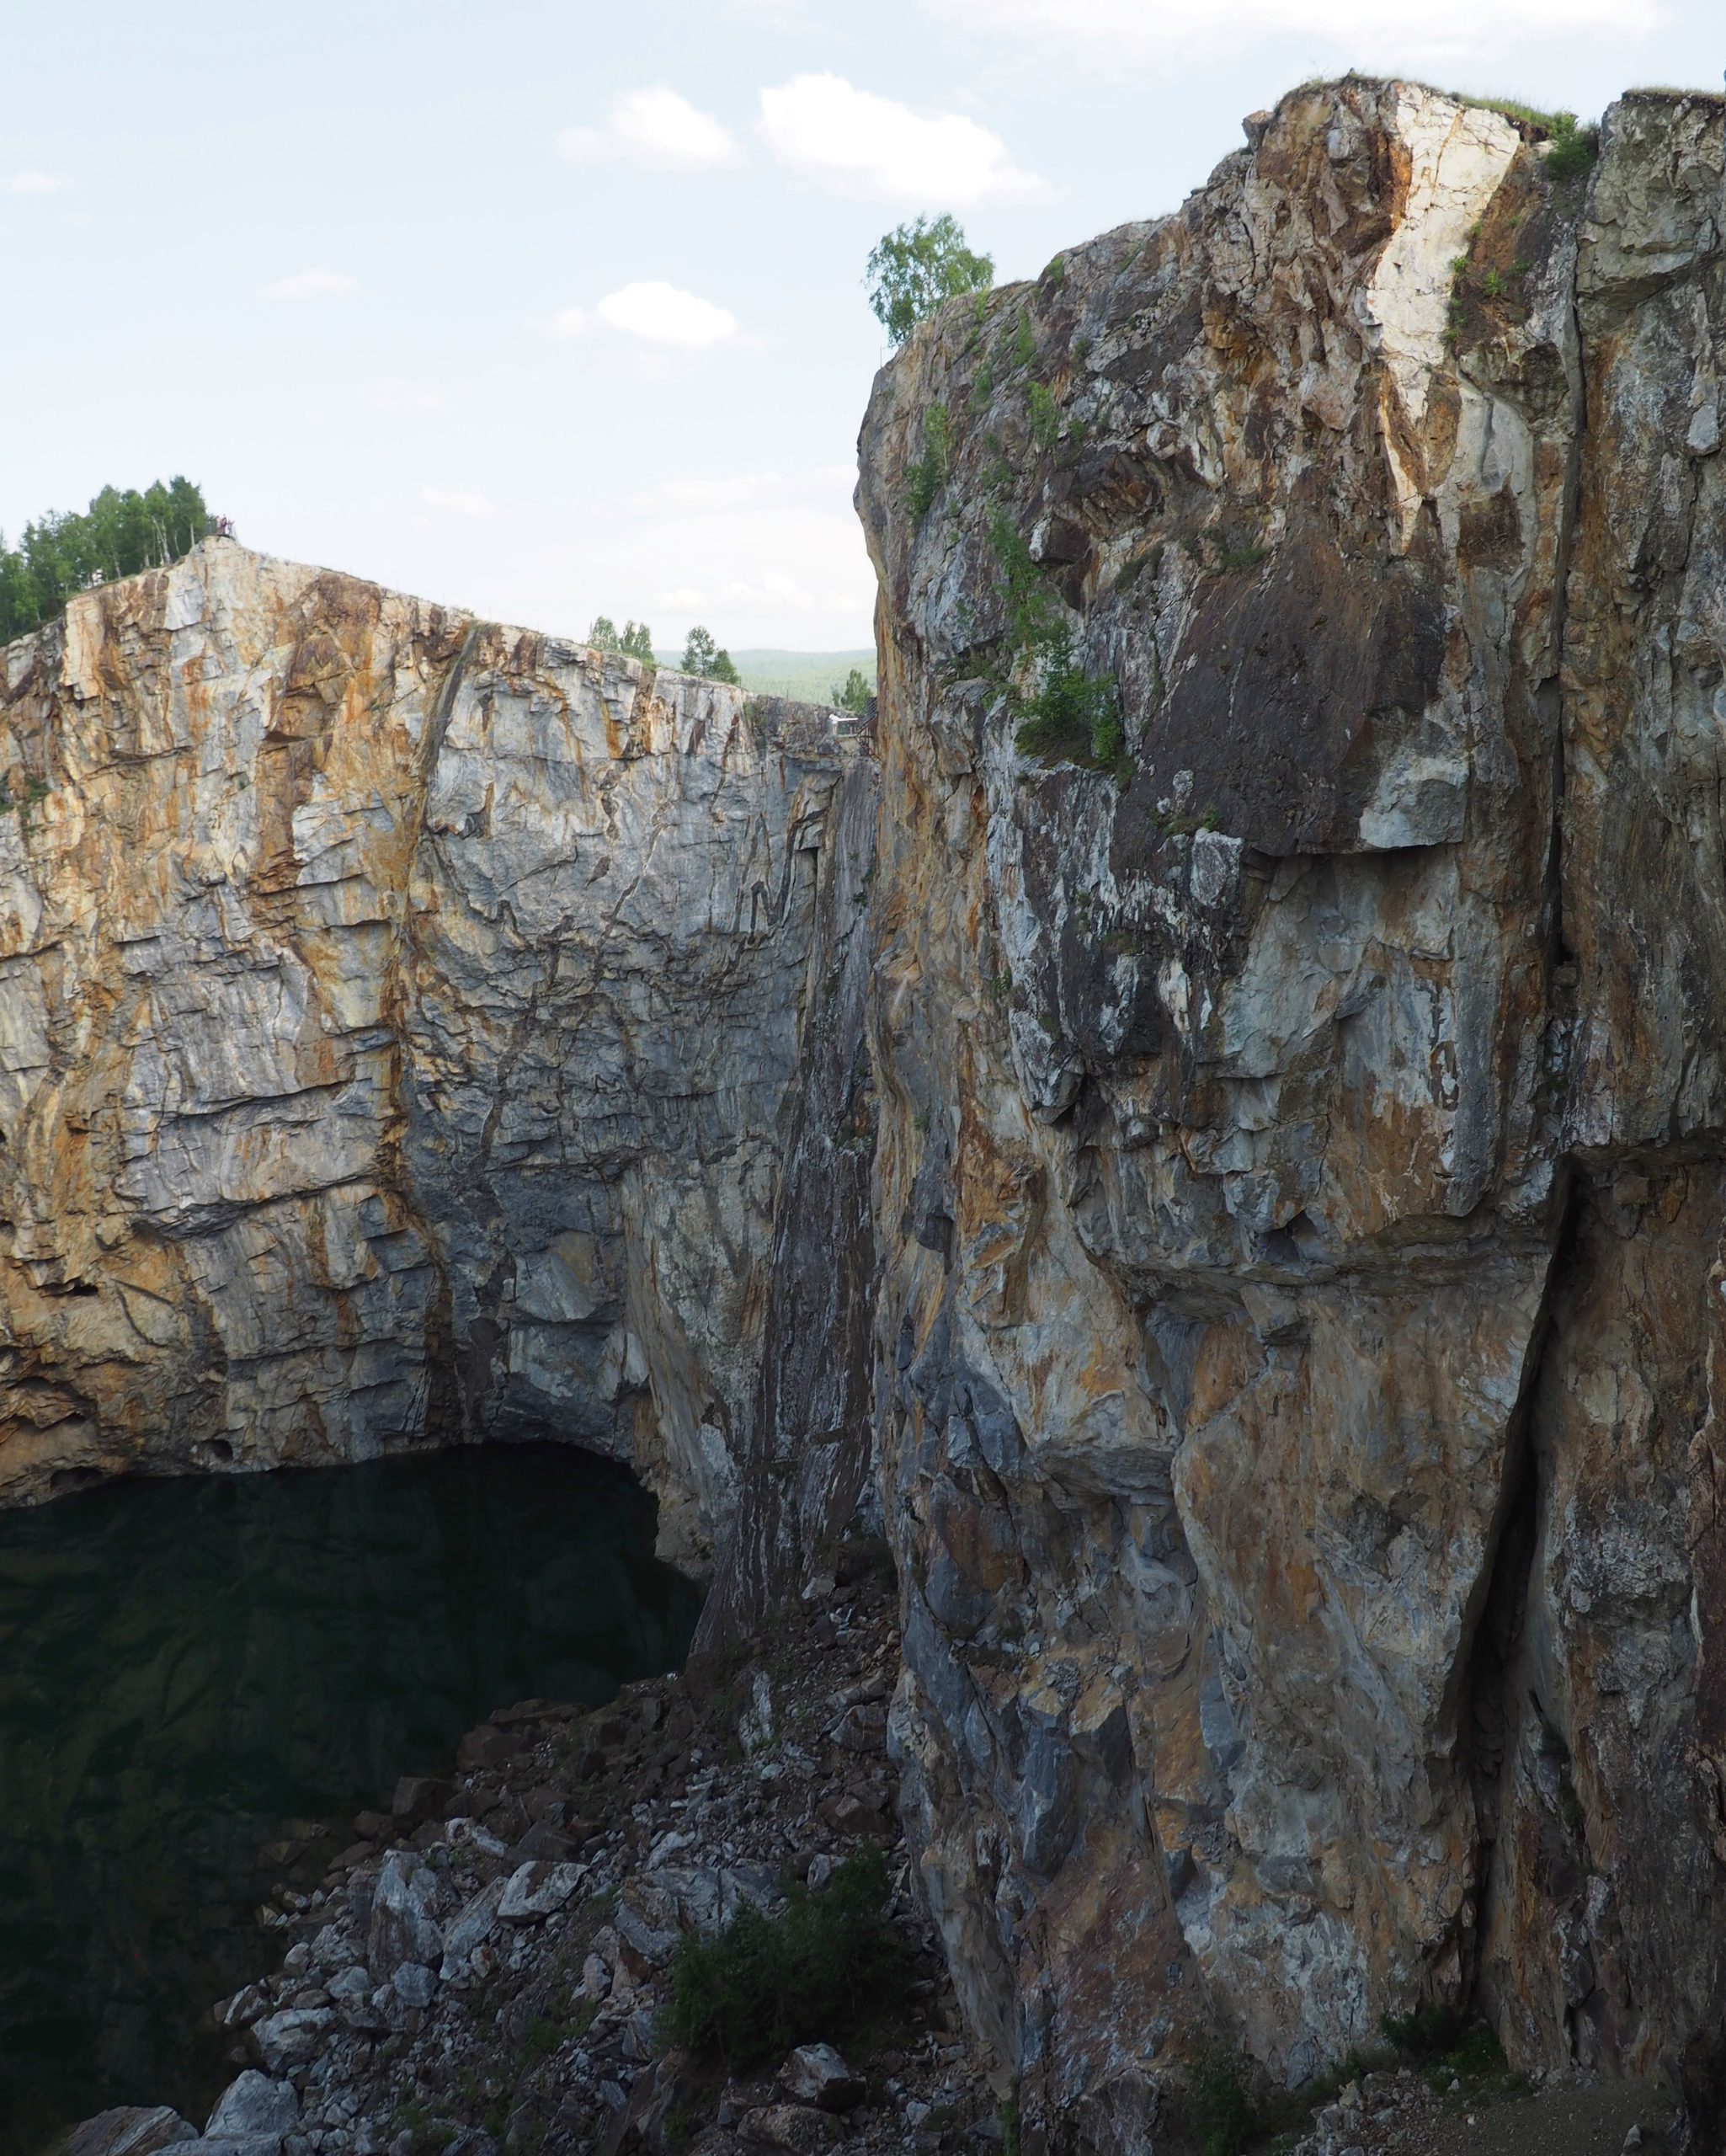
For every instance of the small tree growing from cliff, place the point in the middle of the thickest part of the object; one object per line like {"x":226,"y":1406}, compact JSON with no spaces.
{"x":916,"y":266}
{"x":702,"y":656}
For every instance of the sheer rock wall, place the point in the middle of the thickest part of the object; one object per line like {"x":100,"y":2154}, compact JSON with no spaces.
{"x":395,"y":1015}
{"x":1299,"y":1161}
{"x":1242,"y":1196}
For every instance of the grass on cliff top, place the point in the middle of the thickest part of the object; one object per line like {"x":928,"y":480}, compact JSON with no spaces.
{"x":1574,"y":146}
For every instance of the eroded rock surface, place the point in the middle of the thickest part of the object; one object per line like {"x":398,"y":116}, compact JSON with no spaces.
{"x":1299,"y":1156}
{"x":396,"y":1013}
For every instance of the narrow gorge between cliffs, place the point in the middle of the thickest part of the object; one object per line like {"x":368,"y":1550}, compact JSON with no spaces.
{"x":1203,"y":1127}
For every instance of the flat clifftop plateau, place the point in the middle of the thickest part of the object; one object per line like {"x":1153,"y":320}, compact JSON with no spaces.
{"x":1300,"y":1033}
{"x":396,"y":1012}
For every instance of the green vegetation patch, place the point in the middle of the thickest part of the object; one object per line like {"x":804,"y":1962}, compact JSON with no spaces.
{"x":830,"y":1967}
{"x":1069,"y":716}
{"x":1223,"y":2111}
{"x":929,"y":474}
{"x":118,"y":535}
{"x":635,"y":640}
{"x":1045,"y":420}
{"x":705,"y":658}
{"x":1574,"y":150}
{"x":913,"y":269}
{"x":855,"y":694}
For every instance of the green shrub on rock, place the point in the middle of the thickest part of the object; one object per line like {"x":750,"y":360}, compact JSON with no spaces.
{"x":1222,"y":2107}
{"x":830,"y":1965}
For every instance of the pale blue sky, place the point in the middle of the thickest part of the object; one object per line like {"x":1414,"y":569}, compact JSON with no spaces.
{"x":434,"y":293}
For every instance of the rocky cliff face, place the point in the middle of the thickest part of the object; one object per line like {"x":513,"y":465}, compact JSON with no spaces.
{"x":396,"y":1013}
{"x":1246,"y":1118}
{"x":1300,"y":1166}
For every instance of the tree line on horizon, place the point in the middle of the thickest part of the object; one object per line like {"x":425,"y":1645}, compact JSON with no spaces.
{"x":701,"y":655}
{"x":119,"y":534}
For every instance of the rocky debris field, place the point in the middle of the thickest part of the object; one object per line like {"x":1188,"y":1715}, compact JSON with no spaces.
{"x":1442,"y":2112}
{"x":488,"y":1966}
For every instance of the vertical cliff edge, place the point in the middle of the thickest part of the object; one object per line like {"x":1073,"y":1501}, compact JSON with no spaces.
{"x":1302,"y":1085}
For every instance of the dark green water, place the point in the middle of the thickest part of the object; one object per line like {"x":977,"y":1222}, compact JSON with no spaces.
{"x":187,"y":1665}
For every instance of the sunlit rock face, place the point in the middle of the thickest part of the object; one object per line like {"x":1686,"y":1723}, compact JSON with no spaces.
{"x":1299,"y":1173}
{"x":395,"y":1014}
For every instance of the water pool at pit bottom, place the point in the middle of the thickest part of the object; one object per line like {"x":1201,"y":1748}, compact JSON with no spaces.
{"x":187,"y":1665}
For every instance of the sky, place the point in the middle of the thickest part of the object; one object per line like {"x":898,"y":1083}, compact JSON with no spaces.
{"x":551,"y":310}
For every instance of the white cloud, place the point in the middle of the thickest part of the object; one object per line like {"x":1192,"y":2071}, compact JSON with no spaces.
{"x":652,"y":127}
{"x":34,"y":183}
{"x":310,"y":285}
{"x":665,"y":315}
{"x":568,"y":323}
{"x":400,"y":397}
{"x":772,"y":584}
{"x":774,"y":589}
{"x":458,"y":504}
{"x":1173,"y":34}
{"x":823,"y":128}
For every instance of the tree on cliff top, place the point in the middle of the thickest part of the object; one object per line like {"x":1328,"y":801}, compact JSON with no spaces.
{"x":119,"y":534}
{"x":917,"y":266}
{"x":702,"y":656}
{"x":634,"y":642}
{"x":855,"y":697}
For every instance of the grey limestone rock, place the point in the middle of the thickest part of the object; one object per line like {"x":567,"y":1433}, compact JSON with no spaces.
{"x":404,"y":1926}
{"x":254,"y":2104}
{"x":130,"y":2130}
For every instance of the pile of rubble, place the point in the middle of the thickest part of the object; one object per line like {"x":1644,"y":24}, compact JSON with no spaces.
{"x":487,"y":1968}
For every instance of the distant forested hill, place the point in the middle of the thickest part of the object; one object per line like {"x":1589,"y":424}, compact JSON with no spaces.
{"x":812,"y":676}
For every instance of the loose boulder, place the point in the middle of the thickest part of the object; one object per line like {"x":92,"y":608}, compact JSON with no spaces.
{"x":538,"y":1889}
{"x":403,"y":1925}
{"x":815,"y":2074}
